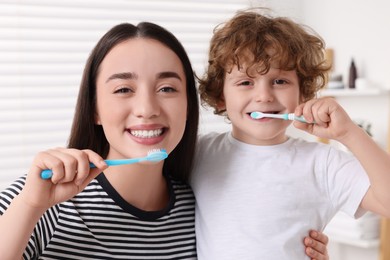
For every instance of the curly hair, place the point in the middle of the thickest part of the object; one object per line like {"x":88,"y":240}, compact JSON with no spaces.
{"x":294,"y":47}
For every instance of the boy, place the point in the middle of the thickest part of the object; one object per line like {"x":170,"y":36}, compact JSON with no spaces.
{"x":256,"y":182}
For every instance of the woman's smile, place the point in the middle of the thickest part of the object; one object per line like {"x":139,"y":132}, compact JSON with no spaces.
{"x":146,"y":133}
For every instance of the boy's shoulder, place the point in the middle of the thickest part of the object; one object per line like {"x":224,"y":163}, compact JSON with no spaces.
{"x":210,"y":143}
{"x":300,"y":143}
{"x":317,"y":149}
{"x":212,"y":136}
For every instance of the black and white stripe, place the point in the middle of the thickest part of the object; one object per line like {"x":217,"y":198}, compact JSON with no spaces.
{"x":99,"y":224}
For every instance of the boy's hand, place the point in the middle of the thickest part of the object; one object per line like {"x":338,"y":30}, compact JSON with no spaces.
{"x":331,"y":120}
{"x":71,"y":174}
{"x":316,"y":246}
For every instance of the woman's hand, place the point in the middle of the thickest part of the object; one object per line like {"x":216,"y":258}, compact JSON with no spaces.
{"x":71,"y":174}
{"x":316,"y":245}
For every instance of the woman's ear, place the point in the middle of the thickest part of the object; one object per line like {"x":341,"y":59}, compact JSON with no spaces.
{"x":97,"y":119}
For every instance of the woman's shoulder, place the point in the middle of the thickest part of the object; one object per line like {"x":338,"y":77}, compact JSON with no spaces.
{"x":179,"y":186}
{"x":13,"y":190}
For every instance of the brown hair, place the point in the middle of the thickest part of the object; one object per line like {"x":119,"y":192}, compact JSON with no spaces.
{"x":85,"y":134}
{"x":293,"y":47}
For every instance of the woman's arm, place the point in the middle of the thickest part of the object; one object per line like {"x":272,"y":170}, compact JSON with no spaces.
{"x":71,"y":174}
{"x":316,"y":245}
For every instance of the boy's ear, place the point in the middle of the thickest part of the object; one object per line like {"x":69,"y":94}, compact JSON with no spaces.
{"x":302,"y":99}
{"x":221,"y":103}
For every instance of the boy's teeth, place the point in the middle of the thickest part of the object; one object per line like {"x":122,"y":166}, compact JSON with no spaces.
{"x":146,"y":133}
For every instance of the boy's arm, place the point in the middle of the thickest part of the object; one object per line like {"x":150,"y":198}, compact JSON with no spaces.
{"x":376,"y":163}
{"x":332,"y":122}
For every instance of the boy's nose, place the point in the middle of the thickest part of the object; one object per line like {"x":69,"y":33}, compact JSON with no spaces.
{"x":263,"y":94}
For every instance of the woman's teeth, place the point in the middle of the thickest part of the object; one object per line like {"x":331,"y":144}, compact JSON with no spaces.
{"x":146,"y":133}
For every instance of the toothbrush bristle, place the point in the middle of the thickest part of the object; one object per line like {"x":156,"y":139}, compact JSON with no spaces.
{"x":255,"y":115}
{"x":156,"y":155}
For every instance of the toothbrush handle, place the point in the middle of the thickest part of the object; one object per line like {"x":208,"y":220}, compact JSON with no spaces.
{"x":47,"y":174}
{"x":300,"y":119}
{"x":123,"y":161}
{"x":292,"y":116}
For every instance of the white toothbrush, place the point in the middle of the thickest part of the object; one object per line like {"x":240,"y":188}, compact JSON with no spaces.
{"x":154,"y":155}
{"x":290,"y":116}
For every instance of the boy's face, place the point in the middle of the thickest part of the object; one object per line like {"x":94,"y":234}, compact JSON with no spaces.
{"x":275,"y":92}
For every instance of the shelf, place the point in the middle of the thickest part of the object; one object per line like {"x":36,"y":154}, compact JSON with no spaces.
{"x":362,"y":243}
{"x":353,"y":92}
{"x":363,"y":232}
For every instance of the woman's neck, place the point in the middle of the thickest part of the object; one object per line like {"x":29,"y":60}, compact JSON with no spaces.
{"x":141,"y":185}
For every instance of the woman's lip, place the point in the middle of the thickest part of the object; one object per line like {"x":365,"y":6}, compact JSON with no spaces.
{"x":148,"y":140}
{"x":147,"y":134}
{"x":146,"y":127}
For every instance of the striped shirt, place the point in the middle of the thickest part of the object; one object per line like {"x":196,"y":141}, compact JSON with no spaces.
{"x":99,"y":224}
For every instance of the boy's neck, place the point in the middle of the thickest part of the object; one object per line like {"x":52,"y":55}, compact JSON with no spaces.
{"x":252,"y":140}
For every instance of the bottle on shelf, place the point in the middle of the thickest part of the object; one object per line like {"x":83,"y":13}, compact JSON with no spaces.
{"x":352,"y":75}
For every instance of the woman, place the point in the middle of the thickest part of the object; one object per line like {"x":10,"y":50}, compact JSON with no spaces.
{"x":137,"y":94}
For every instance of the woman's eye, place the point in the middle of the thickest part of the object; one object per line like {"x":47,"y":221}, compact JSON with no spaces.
{"x":123,"y":90}
{"x":167,"y":89}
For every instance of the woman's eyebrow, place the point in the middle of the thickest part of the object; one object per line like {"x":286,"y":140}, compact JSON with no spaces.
{"x":168,"y":74}
{"x":122,"y":75}
{"x":130,"y":75}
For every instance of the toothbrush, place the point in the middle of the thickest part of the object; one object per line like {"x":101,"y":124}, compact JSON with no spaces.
{"x":154,"y":155}
{"x":290,"y":116}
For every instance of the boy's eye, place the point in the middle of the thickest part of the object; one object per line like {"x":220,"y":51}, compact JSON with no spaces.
{"x":245,"y":83}
{"x":279,"y":81}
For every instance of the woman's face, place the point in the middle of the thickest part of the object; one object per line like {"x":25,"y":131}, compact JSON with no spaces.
{"x":141,"y":98}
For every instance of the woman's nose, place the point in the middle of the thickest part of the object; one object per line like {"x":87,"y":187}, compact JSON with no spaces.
{"x":146,"y":105}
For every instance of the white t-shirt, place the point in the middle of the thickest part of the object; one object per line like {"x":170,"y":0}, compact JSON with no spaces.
{"x":259,"y":202}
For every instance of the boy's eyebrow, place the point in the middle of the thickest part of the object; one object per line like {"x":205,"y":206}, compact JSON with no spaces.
{"x":130,"y":75}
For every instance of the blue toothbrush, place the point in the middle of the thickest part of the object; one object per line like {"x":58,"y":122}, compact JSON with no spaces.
{"x":154,"y":155}
{"x":290,"y":116}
